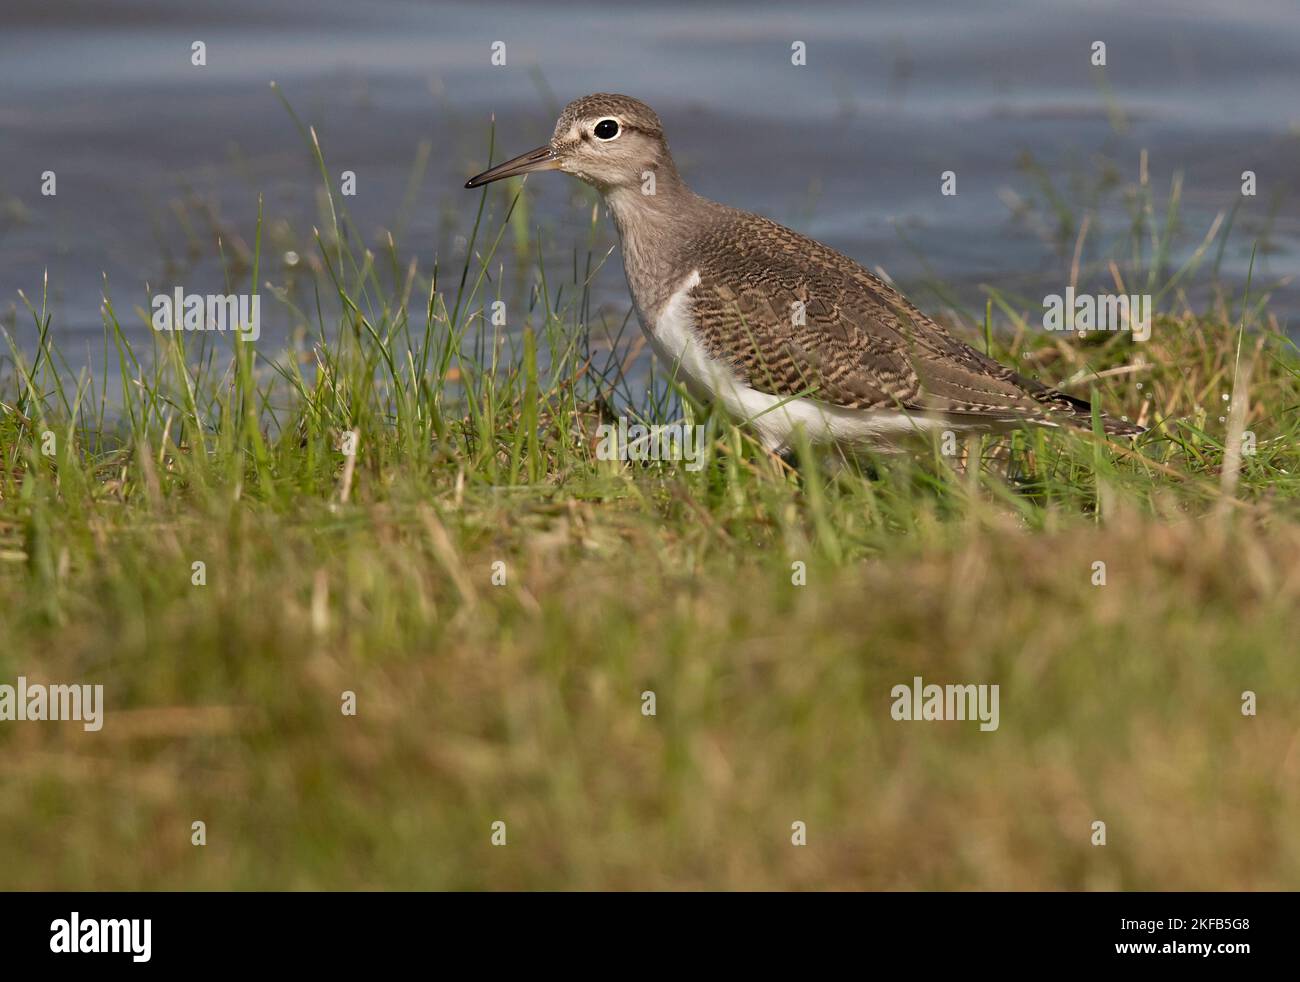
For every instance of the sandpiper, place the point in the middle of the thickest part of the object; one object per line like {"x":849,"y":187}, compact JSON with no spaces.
{"x":782,"y":330}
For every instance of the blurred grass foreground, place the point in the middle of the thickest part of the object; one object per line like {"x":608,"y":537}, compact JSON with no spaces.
{"x":372,"y":611}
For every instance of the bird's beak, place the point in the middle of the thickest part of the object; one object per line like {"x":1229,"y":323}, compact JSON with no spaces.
{"x":543,"y":158}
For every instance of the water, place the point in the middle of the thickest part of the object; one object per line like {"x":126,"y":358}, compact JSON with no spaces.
{"x":848,"y":148}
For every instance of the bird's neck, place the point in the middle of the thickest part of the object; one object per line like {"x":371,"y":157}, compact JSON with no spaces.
{"x":654,"y":222}
{"x":660,"y":195}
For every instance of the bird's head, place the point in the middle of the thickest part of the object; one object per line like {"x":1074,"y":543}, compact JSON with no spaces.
{"x":609,"y":141}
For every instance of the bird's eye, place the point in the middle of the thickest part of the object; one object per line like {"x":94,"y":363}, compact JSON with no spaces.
{"x":606,"y":129}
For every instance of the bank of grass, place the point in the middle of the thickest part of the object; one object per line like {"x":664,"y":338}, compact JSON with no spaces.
{"x":522,"y":702}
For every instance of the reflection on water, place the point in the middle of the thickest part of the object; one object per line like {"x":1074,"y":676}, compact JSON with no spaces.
{"x":152,"y":153}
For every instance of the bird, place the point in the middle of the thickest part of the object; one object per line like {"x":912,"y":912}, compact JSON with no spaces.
{"x":783,"y":331}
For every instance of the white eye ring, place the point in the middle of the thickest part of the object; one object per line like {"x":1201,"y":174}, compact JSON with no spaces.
{"x":613,"y":136}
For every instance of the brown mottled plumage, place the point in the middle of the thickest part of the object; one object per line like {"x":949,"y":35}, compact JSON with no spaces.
{"x":771,"y":321}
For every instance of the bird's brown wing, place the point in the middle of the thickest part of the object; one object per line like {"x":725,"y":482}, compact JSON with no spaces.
{"x":855,"y":342}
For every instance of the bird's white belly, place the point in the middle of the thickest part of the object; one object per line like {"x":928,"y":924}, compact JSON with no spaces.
{"x":774,"y":418}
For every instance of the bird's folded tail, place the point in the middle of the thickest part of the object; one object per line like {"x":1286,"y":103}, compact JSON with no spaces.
{"x":1078,"y":412}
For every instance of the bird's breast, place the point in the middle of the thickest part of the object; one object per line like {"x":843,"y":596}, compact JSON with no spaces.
{"x":670,"y":328}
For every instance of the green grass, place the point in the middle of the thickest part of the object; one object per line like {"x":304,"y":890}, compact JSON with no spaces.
{"x":522,"y":702}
